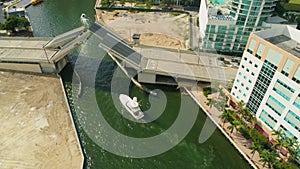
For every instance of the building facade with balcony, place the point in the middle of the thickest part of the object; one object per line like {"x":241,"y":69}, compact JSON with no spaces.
{"x":229,"y":32}
{"x":268,"y":79}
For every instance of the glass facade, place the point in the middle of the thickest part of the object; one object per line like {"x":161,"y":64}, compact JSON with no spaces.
{"x":283,"y":90}
{"x":289,"y":64}
{"x":246,"y":16}
{"x":260,"y":88}
{"x":275,"y":105}
{"x":293,"y":120}
{"x":287,"y":132}
{"x":297,"y":102}
{"x":267,"y":119}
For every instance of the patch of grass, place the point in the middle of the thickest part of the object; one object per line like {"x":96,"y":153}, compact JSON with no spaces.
{"x":290,"y":6}
{"x":294,"y":2}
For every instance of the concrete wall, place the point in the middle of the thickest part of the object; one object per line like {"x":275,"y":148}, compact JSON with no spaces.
{"x":147,"y":77}
{"x":21,"y":67}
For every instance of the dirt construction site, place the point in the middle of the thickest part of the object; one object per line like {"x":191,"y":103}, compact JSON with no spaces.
{"x":36,"y":127}
{"x":168,"y":30}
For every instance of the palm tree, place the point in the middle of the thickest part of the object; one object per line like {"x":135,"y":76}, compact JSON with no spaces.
{"x":280,"y":140}
{"x":292,"y":146}
{"x":242,"y":110}
{"x":278,"y":133}
{"x":268,"y":157}
{"x":255,"y":148}
{"x":251,"y":119}
{"x":234,"y":125}
{"x":226,"y":116}
{"x":279,"y":144}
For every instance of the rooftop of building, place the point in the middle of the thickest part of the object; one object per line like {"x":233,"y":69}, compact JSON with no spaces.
{"x":284,"y":37}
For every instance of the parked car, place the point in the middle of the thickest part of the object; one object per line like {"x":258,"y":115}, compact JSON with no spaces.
{"x":221,"y":58}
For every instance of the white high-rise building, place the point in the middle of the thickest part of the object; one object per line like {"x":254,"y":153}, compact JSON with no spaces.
{"x":268,"y":79}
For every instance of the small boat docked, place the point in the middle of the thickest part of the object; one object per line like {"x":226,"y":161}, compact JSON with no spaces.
{"x":132,"y":106}
{"x":35,"y":2}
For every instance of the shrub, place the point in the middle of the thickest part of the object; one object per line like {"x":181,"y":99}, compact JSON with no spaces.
{"x":245,"y":132}
{"x":258,"y":138}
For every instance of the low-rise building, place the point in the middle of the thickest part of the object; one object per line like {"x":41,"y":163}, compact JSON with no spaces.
{"x":17,"y":12}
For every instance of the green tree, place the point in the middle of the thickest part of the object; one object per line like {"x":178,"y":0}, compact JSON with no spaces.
{"x":255,"y":148}
{"x":13,"y":22}
{"x":268,"y":157}
{"x":280,"y":139}
{"x":292,"y":146}
{"x":278,"y":133}
{"x":285,"y":165}
{"x":233,"y":125}
{"x":252,"y":120}
{"x":258,"y":138}
{"x":148,"y":3}
{"x":227,"y":116}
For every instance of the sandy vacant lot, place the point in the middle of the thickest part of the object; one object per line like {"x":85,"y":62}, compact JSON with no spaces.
{"x":36,"y":129}
{"x":156,"y":28}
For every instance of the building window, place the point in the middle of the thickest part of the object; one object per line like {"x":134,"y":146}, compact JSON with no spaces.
{"x":244,"y":95}
{"x":260,"y":50}
{"x":297,"y":102}
{"x":250,"y":81}
{"x":267,"y":119}
{"x":251,"y":45}
{"x":250,"y":62}
{"x":275,"y":105}
{"x":289,"y":134}
{"x":289,"y":64}
{"x":274,"y":57}
{"x":242,"y":84}
{"x":247,"y":88}
{"x":240,"y":73}
{"x":245,"y":77}
{"x":293,"y":120}
{"x":255,"y":65}
{"x":296,"y":77}
{"x":247,"y":70}
{"x":235,"y":87}
{"x":283,"y":90}
{"x":252,"y":73}
{"x":243,"y":66}
{"x":245,"y":58}
{"x":238,"y":80}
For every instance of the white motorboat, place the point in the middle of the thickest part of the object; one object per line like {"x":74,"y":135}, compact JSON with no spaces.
{"x":132,"y":106}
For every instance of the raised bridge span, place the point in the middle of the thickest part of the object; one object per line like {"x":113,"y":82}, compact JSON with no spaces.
{"x":48,"y":55}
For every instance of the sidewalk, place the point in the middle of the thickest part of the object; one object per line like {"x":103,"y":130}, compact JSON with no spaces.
{"x":240,"y":143}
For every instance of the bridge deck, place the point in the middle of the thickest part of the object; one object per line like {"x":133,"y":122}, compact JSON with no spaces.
{"x":24,"y":50}
{"x":187,"y":66}
{"x":22,"y":43}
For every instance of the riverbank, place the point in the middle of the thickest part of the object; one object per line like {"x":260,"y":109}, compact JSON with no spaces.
{"x":37,"y":123}
{"x":236,"y":139}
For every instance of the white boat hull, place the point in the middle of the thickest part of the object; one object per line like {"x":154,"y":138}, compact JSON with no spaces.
{"x":125,"y":100}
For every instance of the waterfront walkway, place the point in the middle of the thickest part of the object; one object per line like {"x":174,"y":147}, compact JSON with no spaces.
{"x":240,"y":143}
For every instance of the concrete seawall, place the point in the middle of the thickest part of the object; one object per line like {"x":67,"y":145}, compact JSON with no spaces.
{"x":221,"y":129}
{"x":72,"y":119}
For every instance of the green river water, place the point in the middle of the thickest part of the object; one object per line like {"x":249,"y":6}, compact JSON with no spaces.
{"x":53,"y":17}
